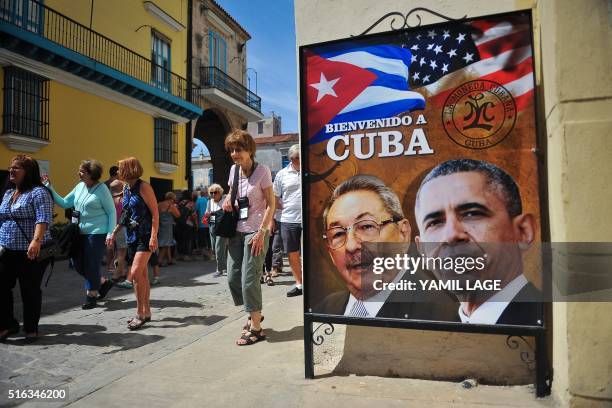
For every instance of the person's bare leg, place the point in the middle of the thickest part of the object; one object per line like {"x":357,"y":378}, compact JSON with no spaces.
{"x":140,"y":280}
{"x":147,"y":295}
{"x":296,"y":266}
{"x":161,"y":255}
{"x":170,"y":260}
{"x":110,"y":256}
{"x":256,"y":320}
{"x":122,"y":262}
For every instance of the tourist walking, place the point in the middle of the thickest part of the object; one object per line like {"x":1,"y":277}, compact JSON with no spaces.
{"x":254,"y":205}
{"x":185,"y":227}
{"x":219,"y":244}
{"x":288,"y":191}
{"x":26,"y":213}
{"x":273,"y":263}
{"x":120,"y":247}
{"x":168,"y":212}
{"x":204,"y":244}
{"x":95,"y":210}
{"x":141,"y":218}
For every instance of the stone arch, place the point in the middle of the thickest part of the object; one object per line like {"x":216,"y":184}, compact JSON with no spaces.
{"x":211,"y":128}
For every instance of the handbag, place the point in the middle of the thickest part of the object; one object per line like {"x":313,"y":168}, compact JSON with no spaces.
{"x":47,"y":251}
{"x":227,"y":221}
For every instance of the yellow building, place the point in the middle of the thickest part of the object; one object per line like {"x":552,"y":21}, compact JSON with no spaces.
{"x":105,"y":80}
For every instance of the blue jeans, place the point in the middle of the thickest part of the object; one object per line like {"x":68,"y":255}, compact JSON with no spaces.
{"x":87,"y":263}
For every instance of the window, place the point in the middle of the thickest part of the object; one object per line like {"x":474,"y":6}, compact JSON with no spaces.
{"x":160,"y":58}
{"x":26,"y":104}
{"x":260,"y":127}
{"x":166,"y":148}
{"x":284,"y":157}
{"x":161,"y":187}
{"x":217,"y":51}
{"x":23,"y":13}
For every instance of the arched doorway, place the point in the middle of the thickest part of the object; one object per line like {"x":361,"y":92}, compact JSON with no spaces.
{"x":211,"y":128}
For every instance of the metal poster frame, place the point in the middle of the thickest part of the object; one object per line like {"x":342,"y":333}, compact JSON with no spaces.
{"x":324,"y":322}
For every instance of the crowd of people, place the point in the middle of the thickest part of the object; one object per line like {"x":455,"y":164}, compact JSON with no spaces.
{"x":122,"y":225}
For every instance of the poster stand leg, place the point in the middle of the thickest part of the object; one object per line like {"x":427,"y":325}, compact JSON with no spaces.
{"x":308,"y":349}
{"x":542,"y":374}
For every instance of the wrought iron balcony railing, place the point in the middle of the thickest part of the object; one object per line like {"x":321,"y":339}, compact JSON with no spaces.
{"x":41,"y":20}
{"x":213,"y":77}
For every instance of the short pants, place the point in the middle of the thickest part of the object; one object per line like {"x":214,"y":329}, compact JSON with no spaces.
{"x":292,"y":236}
{"x":142,"y":245}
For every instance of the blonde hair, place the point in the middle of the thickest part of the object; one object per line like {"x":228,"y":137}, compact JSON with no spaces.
{"x":170,"y":196}
{"x":242,"y":139}
{"x":215,"y":187}
{"x":129,"y":168}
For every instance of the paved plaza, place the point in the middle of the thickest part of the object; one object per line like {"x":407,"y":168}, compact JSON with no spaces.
{"x":186,"y":356}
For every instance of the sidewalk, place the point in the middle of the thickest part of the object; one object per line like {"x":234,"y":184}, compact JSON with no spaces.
{"x":213,"y":372}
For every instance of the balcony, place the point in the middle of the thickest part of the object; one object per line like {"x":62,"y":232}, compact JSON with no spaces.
{"x":38,"y":38}
{"x":220,"y":88}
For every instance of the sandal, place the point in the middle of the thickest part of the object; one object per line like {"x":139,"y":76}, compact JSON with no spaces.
{"x":247,"y":326}
{"x":251,"y":337}
{"x":144,"y":319}
{"x":136,"y":323}
{"x":269,"y":280}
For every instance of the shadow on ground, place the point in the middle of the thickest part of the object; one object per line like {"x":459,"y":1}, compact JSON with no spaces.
{"x":284,"y":283}
{"x":124,"y":304}
{"x":273,"y":336}
{"x":89,"y":335}
{"x":190,"y":321}
{"x":66,"y":287}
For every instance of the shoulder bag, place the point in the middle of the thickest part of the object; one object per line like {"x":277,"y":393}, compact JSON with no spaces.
{"x":227,"y":221}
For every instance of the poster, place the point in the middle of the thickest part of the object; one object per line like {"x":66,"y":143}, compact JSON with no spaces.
{"x":420,"y":179}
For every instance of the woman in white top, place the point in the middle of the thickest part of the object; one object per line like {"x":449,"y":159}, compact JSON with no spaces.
{"x":219,"y":244}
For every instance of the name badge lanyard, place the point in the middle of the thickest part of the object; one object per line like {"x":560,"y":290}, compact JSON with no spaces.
{"x":84,"y":201}
{"x":243,"y":200}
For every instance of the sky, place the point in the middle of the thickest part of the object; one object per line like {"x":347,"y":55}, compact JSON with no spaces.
{"x":271,"y":52}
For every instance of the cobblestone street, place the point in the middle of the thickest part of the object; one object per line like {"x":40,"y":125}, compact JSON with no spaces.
{"x":91,"y":348}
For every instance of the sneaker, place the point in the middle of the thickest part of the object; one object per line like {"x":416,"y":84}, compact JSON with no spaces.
{"x":217,"y":274}
{"x":126,"y":284}
{"x":90,"y":303}
{"x":294,"y":292}
{"x":155,"y":281}
{"x":224,"y":273}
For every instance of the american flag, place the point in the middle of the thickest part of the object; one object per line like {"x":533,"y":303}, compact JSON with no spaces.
{"x":497,"y":49}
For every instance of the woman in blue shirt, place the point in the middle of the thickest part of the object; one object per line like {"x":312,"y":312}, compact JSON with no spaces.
{"x":25,"y":215}
{"x":95,"y":208}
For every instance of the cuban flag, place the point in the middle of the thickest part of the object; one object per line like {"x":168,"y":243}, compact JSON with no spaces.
{"x":362,"y":83}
